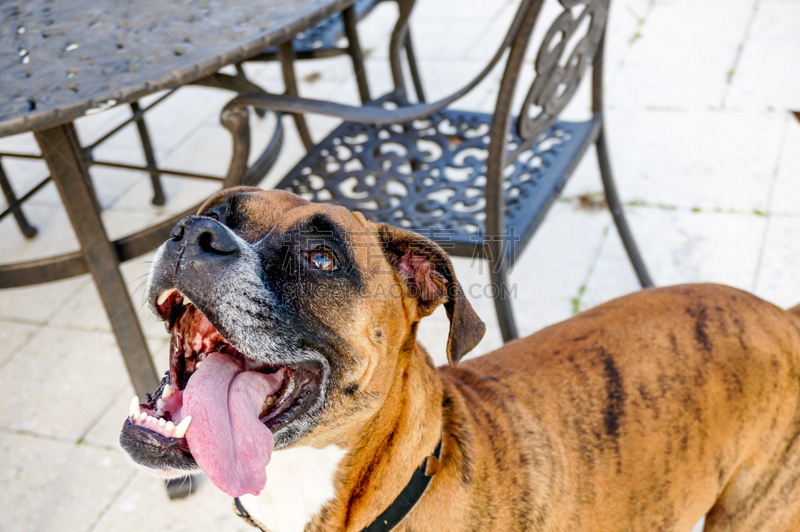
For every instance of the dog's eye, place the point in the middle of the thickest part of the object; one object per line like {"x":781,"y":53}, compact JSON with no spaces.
{"x":322,"y":260}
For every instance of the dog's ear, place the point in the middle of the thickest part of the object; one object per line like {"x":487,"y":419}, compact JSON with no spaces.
{"x":428,"y":273}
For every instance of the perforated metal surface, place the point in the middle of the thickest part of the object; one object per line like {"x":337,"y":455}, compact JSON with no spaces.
{"x":327,"y":33}
{"x":430,"y":175}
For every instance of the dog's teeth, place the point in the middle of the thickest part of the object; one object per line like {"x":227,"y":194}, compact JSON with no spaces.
{"x":160,"y":404}
{"x":135,"y":407}
{"x":141,"y":417}
{"x":197,"y":366}
{"x":158,"y":414}
{"x":170,"y":426}
{"x":164,"y":295}
{"x":183,"y":426}
{"x":268,"y":402}
{"x":162,"y":422}
{"x":167,"y":391}
{"x":187,"y":301}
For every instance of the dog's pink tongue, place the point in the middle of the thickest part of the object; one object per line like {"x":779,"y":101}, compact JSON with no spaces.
{"x":225,"y":436}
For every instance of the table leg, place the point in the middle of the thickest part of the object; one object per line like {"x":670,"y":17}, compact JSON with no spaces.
{"x":61,"y":151}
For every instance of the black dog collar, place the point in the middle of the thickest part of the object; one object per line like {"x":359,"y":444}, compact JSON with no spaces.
{"x":396,"y":511}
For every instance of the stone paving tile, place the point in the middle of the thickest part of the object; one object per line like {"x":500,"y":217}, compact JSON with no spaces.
{"x":778,"y":280}
{"x":143,"y":505}
{"x":485,"y":47}
{"x":706,"y":159}
{"x":105,"y":432}
{"x":86,"y":311}
{"x":679,"y":247}
{"x":38,"y":303}
{"x":70,"y":377}
{"x":14,"y":335}
{"x":22,"y":143}
{"x":52,"y":486}
{"x":777,"y":21}
{"x":447,"y":42}
{"x":55,"y":234}
{"x":692,"y":67}
{"x":786,"y":194}
{"x":763,"y":80}
{"x":466,"y":10}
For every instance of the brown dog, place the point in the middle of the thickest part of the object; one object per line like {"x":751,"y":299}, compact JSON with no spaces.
{"x":642,"y":414}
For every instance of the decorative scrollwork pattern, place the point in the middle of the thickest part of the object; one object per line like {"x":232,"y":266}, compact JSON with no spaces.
{"x":429,"y":175}
{"x":557,"y":79}
{"x":327,"y":33}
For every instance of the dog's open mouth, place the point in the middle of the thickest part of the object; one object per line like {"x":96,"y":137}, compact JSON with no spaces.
{"x":216,"y":407}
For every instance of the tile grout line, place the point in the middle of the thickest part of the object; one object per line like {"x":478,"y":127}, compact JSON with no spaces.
{"x":612,"y":73}
{"x":577,"y":199}
{"x":775,"y":172}
{"x":740,"y":52}
{"x":576,"y":301}
{"x":111,"y":502}
{"x":96,"y":422}
{"x":56,"y":439}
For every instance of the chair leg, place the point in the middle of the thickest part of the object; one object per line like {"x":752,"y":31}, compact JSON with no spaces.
{"x":155,"y":176}
{"x":412,"y":65}
{"x":502,"y":300}
{"x":240,"y":70}
{"x":178,"y":488}
{"x":11,"y":198}
{"x":612,"y":198}
{"x":240,"y":73}
{"x":497,"y":252}
{"x":286,"y":54}
{"x":355,"y":53}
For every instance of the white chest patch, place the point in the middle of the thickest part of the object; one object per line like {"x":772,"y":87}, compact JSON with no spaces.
{"x":299,"y":483}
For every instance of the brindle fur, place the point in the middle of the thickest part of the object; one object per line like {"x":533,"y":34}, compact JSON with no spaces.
{"x":644,"y":413}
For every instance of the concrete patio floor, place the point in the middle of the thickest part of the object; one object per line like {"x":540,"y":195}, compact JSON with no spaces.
{"x":707,"y":159}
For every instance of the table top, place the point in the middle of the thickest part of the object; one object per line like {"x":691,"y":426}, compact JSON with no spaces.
{"x":61,"y":59}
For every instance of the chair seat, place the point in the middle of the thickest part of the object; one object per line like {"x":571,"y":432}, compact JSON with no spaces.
{"x":325,"y":35}
{"x":429,"y":176}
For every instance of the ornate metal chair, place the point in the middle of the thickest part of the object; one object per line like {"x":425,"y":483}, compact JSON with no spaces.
{"x":478,"y":184}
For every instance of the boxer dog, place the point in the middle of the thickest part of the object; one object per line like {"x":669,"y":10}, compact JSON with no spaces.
{"x":294,"y":330}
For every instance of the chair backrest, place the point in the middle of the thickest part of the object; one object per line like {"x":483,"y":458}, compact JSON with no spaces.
{"x":568,"y":48}
{"x":566,"y":51}
{"x":572,"y":43}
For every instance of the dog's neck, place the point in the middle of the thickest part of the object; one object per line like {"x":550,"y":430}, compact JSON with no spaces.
{"x":335,"y":489}
{"x":390,"y":447}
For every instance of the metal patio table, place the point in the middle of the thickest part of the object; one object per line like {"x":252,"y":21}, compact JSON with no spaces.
{"x":65,"y":59}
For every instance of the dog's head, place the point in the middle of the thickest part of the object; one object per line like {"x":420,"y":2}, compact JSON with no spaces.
{"x":285,"y":315}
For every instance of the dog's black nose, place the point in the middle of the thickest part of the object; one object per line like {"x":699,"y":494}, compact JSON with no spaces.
{"x":209,"y":235}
